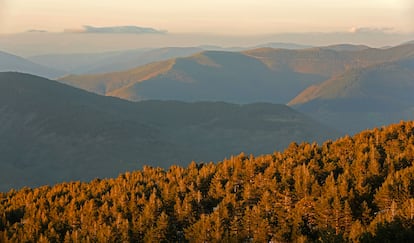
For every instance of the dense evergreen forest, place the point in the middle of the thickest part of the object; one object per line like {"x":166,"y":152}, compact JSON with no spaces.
{"x":355,"y":189}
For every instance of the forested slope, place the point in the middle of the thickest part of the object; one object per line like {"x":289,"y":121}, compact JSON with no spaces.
{"x":51,"y":132}
{"x":358,"y":188}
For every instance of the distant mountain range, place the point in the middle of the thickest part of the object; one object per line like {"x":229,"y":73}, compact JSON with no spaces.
{"x":259,"y":75}
{"x":335,"y":84}
{"x":10,"y":62}
{"x":104,"y":62}
{"x":283,"y":45}
{"x":84,"y":63}
{"x":362,"y":98}
{"x":346,"y":47}
{"x":329,"y":61}
{"x":52,"y":132}
{"x":210,"y":76}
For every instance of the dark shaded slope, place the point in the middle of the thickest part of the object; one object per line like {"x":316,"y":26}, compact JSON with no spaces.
{"x":213,"y":129}
{"x":52,"y":132}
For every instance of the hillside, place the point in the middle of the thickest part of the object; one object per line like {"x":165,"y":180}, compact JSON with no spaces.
{"x":362,"y":98}
{"x":354,"y":189}
{"x":9,"y":62}
{"x":210,"y":76}
{"x":52,"y":132}
{"x":259,"y":75}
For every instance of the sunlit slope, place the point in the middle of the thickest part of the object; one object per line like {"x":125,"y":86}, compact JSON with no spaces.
{"x":110,"y":82}
{"x":353,"y":189}
{"x":211,"y":75}
{"x":259,"y":75}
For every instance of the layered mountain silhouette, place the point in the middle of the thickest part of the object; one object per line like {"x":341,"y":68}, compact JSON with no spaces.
{"x":259,"y":75}
{"x":104,"y":62}
{"x":347,"y":47}
{"x":211,"y":75}
{"x":331,"y":60}
{"x":283,"y":45}
{"x":84,"y":63}
{"x":363,"y":98}
{"x":52,"y":132}
{"x":10,"y":62}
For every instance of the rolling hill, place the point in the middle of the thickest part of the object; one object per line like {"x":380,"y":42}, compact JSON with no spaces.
{"x":52,"y":132}
{"x":10,"y":62}
{"x":259,"y":75}
{"x":362,"y":98}
{"x":210,"y":76}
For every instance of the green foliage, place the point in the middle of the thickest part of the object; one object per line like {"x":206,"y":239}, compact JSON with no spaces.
{"x":308,"y":193}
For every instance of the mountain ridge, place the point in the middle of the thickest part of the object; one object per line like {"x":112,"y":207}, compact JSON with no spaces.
{"x":53,"y":132}
{"x":263,"y":74}
{"x":111,"y":61}
{"x":10,"y":62}
{"x":375,"y":95}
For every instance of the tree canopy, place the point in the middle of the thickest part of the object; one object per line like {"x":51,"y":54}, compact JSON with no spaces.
{"x":357,"y":189}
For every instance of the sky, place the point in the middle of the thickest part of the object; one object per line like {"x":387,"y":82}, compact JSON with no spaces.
{"x":226,"y":23}
{"x":226,"y":17}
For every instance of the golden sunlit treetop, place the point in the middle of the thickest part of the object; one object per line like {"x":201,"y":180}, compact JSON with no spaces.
{"x":352,"y":189}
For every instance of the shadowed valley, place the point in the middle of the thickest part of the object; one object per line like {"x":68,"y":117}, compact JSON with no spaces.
{"x":52,"y":132}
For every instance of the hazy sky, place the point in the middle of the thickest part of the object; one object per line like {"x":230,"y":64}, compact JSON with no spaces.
{"x":210,"y":16}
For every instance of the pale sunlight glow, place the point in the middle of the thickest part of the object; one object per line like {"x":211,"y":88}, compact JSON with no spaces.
{"x":212,"y":16}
